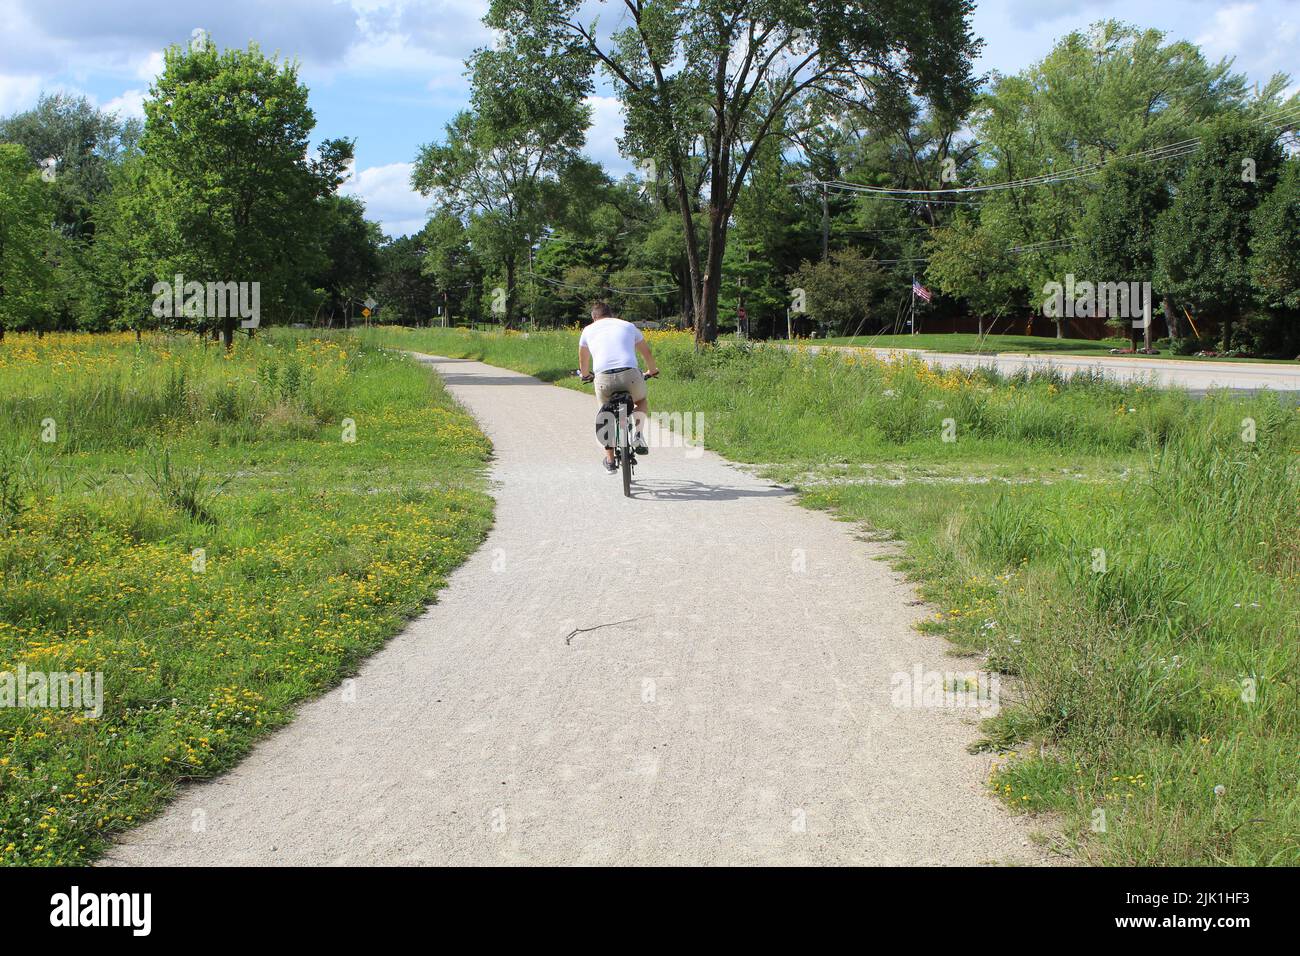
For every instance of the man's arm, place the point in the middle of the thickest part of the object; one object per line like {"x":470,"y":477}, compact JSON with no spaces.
{"x":643,"y":349}
{"x":584,"y":360}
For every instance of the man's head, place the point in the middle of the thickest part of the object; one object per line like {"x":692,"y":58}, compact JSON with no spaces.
{"x":601,"y":310}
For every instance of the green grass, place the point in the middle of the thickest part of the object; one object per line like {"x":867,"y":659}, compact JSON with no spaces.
{"x":1122,"y":552}
{"x":963,"y":343}
{"x":202,"y":533}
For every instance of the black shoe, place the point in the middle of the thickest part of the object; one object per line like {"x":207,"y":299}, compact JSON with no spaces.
{"x":639,"y":445}
{"x":610,"y":467}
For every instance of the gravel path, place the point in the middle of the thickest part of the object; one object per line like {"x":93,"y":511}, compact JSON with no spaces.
{"x":735,"y":706}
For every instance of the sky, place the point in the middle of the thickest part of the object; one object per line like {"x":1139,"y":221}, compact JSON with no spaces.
{"x":390,"y":73}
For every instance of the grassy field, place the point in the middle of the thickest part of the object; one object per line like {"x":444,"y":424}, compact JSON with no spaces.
{"x":220,"y":536}
{"x":1130,"y":555}
{"x":970,"y":344}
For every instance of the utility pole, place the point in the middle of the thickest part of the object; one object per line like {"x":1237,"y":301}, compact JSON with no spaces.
{"x":532,"y":288}
{"x":826,"y":225}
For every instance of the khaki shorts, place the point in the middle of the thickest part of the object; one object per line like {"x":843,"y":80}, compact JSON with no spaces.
{"x":630,"y":381}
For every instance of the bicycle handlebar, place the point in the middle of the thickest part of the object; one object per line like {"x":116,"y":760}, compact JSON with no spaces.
{"x":577,"y":373}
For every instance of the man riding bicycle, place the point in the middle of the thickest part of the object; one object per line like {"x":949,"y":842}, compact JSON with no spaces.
{"x":610,"y":346}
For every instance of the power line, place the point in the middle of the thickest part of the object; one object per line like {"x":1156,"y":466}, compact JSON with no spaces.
{"x":1273,"y":114}
{"x":1169,"y":151}
{"x":873,"y":232}
{"x":1046,"y":244}
{"x":1280,"y":118}
{"x":849,"y":187}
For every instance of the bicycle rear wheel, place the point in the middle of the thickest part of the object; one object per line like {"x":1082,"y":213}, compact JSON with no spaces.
{"x":625,"y":449}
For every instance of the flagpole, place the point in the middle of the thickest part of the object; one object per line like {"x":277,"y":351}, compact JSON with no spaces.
{"x":913,"y":329}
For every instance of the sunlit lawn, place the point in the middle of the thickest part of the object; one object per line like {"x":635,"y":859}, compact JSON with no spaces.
{"x":202,"y":530}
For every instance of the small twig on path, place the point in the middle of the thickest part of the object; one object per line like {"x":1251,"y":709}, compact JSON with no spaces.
{"x":582,"y":630}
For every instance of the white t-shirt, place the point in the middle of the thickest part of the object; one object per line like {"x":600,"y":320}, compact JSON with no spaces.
{"x":612,"y":343}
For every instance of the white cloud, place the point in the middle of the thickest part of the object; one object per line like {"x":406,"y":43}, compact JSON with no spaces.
{"x":389,"y":198}
{"x":150,"y":66}
{"x":1231,"y":27}
{"x":125,"y":38}
{"x":129,"y":104}
{"x":393,"y":52}
{"x":80,"y":34}
{"x":1261,"y":41}
{"x":602,"y":137}
{"x":18,"y":93}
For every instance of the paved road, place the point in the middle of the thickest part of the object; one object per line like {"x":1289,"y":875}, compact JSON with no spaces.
{"x":734,"y":708}
{"x":1196,"y":377}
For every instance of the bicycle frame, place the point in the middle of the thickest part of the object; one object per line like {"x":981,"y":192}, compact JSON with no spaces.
{"x":624,"y":455}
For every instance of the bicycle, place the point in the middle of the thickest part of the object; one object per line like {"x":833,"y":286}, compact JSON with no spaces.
{"x":624,"y":453}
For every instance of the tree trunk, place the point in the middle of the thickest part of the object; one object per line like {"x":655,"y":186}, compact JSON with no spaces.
{"x":228,"y":332}
{"x":1173,"y":327}
{"x":692,"y":248}
{"x":706,"y":323}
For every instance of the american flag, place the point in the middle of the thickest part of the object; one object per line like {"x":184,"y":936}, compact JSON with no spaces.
{"x":921,"y":291}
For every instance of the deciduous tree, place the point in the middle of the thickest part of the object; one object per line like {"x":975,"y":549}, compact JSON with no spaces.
{"x":230,"y":178}
{"x":724,"y":73}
